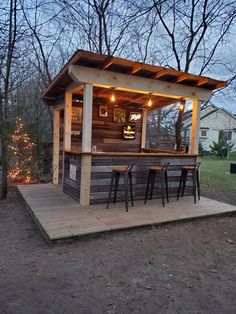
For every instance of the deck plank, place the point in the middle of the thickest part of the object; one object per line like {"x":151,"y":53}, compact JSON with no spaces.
{"x":59,"y":216}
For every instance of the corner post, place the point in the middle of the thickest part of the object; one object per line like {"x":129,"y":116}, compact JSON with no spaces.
{"x":144,"y":129}
{"x":67,"y":121}
{"x":194,"y":137}
{"x":56,"y":146}
{"x":86,"y":161}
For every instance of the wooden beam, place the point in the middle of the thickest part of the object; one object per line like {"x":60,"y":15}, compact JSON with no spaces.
{"x":120,"y":81}
{"x":221,"y":85}
{"x":194,"y":138}
{"x":59,"y":106}
{"x":56,"y":146}
{"x":159,"y":74}
{"x":135,"y":99}
{"x":135,"y":69}
{"x":118,"y":96}
{"x":182,"y":77}
{"x":202,"y":81}
{"x":86,"y":145}
{"x":144,"y":129}
{"x":74,"y":87}
{"x":107,"y":63}
{"x":63,"y":71}
{"x":67,"y":121}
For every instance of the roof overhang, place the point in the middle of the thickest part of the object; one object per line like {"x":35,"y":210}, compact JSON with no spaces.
{"x":125,"y":75}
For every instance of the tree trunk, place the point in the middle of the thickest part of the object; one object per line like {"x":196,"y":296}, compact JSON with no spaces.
{"x":11,"y":40}
{"x":159,"y":126}
{"x":4,"y":144}
{"x":178,"y":127}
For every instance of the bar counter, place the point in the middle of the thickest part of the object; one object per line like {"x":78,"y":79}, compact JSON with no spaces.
{"x":151,"y":153}
{"x":102,"y":164}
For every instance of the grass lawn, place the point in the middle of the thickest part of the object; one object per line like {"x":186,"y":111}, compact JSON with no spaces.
{"x":216,"y":180}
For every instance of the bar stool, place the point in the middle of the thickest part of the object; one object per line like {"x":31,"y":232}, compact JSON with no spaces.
{"x":194,"y":170}
{"x":162,"y":172}
{"x":127,"y":173}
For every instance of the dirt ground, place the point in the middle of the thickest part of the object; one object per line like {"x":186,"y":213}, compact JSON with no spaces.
{"x":177,"y":268}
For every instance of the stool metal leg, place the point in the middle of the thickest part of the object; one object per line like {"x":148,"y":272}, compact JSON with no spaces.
{"x":167,"y":191}
{"x":117,"y":177}
{"x":131,"y":188}
{"x":185,"y":175}
{"x":110,"y":189}
{"x":126,"y":188}
{"x":153,"y":176}
{"x":147,"y":188}
{"x":162,"y":188}
{"x":198,"y":185}
{"x":180,"y":183}
{"x":194,"y":186}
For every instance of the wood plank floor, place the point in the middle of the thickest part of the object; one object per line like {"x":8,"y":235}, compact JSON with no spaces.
{"x":59,"y":216}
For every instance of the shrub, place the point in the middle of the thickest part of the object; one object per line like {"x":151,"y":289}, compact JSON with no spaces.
{"x":200,"y":149}
{"x":222,"y":148}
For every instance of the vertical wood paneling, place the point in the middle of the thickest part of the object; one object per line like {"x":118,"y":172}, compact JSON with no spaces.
{"x":56,"y":146}
{"x":194,"y":138}
{"x":67,"y":121}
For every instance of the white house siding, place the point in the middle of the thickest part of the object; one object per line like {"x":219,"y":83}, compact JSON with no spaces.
{"x":213,"y":124}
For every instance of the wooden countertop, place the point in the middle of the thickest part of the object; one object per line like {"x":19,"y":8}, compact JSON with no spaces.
{"x":161,"y":154}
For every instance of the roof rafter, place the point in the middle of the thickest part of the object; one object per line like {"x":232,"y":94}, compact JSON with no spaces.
{"x":107,"y":63}
{"x":182,"y":77}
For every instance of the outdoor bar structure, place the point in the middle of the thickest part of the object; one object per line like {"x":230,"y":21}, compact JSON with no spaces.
{"x":100,"y":106}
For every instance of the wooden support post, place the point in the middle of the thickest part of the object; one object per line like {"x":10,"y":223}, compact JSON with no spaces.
{"x":86,"y":145}
{"x":56,"y":146}
{"x":144,"y":129}
{"x":85,"y":179}
{"x":67,"y":121}
{"x":194,"y":139}
{"x":87,"y":118}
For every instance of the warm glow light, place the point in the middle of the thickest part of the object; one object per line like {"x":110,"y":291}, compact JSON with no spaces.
{"x":113,"y":98}
{"x":181,"y":107}
{"x":22,"y":150}
{"x":150,"y":103}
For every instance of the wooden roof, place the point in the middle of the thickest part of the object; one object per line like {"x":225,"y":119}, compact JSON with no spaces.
{"x":119,"y":65}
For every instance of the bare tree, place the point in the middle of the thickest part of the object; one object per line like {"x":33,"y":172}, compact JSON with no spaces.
{"x":102,"y":26}
{"x":192,"y":35}
{"x":8,"y":42}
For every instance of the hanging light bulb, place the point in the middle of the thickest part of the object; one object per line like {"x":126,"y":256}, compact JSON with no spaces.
{"x":113,"y":98}
{"x":181,"y":107}
{"x":149,"y":103}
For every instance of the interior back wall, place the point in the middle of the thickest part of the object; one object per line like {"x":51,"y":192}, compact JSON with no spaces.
{"x":107,"y":134}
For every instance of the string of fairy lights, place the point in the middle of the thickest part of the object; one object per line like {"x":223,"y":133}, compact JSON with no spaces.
{"x":21,"y":151}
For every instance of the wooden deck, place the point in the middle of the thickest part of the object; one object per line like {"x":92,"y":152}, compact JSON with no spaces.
{"x":59,"y":216}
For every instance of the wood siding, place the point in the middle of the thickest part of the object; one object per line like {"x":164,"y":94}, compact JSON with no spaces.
{"x":106,"y":134}
{"x":72,"y":187}
{"x":101,"y":175}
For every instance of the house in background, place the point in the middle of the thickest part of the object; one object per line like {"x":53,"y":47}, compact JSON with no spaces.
{"x":214,"y":122}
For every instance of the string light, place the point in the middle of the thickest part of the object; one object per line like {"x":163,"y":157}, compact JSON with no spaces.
{"x":21,"y":151}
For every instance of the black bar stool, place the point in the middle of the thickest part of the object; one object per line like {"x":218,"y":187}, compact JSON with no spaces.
{"x":127,"y":173}
{"x":162,"y":172}
{"x":194,"y":170}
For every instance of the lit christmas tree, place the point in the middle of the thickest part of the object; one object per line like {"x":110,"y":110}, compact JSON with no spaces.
{"x":21,"y":152}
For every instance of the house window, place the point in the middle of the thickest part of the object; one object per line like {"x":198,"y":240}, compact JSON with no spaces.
{"x":204,"y":133}
{"x":228,"y":136}
{"x":225,"y":135}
